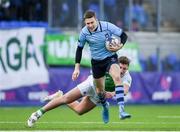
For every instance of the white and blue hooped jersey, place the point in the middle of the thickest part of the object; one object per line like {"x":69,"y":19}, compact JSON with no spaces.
{"x":97,"y":39}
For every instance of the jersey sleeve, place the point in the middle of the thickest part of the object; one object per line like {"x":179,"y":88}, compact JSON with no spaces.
{"x":114,"y":29}
{"x":81,"y":39}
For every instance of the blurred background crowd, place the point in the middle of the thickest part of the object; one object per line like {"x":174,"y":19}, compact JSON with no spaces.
{"x":153,"y":24}
{"x":140,"y":15}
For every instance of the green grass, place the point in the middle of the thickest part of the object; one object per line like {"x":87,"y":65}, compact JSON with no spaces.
{"x":144,"y":117}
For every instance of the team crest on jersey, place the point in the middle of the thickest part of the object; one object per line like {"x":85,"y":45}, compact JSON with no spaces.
{"x":113,"y":59}
{"x":107,"y":35}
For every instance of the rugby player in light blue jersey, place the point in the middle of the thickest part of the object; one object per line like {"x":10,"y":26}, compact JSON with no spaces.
{"x":95,"y":34}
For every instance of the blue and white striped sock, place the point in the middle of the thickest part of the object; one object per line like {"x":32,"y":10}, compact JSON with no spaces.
{"x":120,"y":97}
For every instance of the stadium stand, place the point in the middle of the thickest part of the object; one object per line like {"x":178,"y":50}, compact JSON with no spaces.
{"x":18,"y":24}
{"x":170,"y":63}
{"x":162,"y":44}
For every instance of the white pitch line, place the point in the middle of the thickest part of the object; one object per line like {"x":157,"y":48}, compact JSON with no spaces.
{"x":170,"y":117}
{"x":79,"y":131}
{"x":56,"y":122}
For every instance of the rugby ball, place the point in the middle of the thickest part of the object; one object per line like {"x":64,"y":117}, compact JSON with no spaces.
{"x":112,"y":41}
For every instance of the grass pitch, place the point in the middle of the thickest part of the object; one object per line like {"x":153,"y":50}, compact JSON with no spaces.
{"x":144,"y":117}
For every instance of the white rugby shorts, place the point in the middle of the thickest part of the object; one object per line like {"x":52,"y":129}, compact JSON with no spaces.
{"x":87,"y":88}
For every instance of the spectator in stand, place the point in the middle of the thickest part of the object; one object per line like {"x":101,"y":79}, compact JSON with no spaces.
{"x":64,"y":14}
{"x":110,"y":10}
{"x":94,"y":6}
{"x":139,"y":15}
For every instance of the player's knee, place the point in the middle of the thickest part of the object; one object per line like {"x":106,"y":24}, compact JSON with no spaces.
{"x":79,"y":112}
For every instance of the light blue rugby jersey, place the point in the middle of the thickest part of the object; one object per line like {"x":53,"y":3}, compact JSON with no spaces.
{"x":96,"y":39}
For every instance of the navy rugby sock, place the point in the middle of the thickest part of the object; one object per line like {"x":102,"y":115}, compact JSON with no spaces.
{"x":102,"y":98}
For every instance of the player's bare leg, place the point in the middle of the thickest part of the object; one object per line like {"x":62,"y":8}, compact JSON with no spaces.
{"x":69,"y":97}
{"x":115,"y":73}
{"x":82,"y":107}
{"x":59,"y":93}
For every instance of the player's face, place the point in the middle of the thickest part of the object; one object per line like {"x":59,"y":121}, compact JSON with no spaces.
{"x":123,"y":68}
{"x":91,"y":23}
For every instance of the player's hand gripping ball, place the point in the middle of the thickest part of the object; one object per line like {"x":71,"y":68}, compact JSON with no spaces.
{"x":113,"y":43}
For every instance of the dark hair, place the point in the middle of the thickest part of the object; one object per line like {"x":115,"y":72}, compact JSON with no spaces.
{"x":89,"y":14}
{"x":124,"y":60}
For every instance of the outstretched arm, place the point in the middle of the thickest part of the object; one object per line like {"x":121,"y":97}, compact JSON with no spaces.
{"x":111,"y":94}
{"x":126,"y":89}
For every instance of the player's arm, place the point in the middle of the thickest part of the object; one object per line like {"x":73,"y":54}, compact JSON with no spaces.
{"x":127,"y":84}
{"x":126,"y":89}
{"x":119,"y":32}
{"x":78,"y":56}
{"x":77,"y":63}
{"x":123,"y":37}
{"x":115,"y":47}
{"x":112,"y":94}
{"x":109,"y":94}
